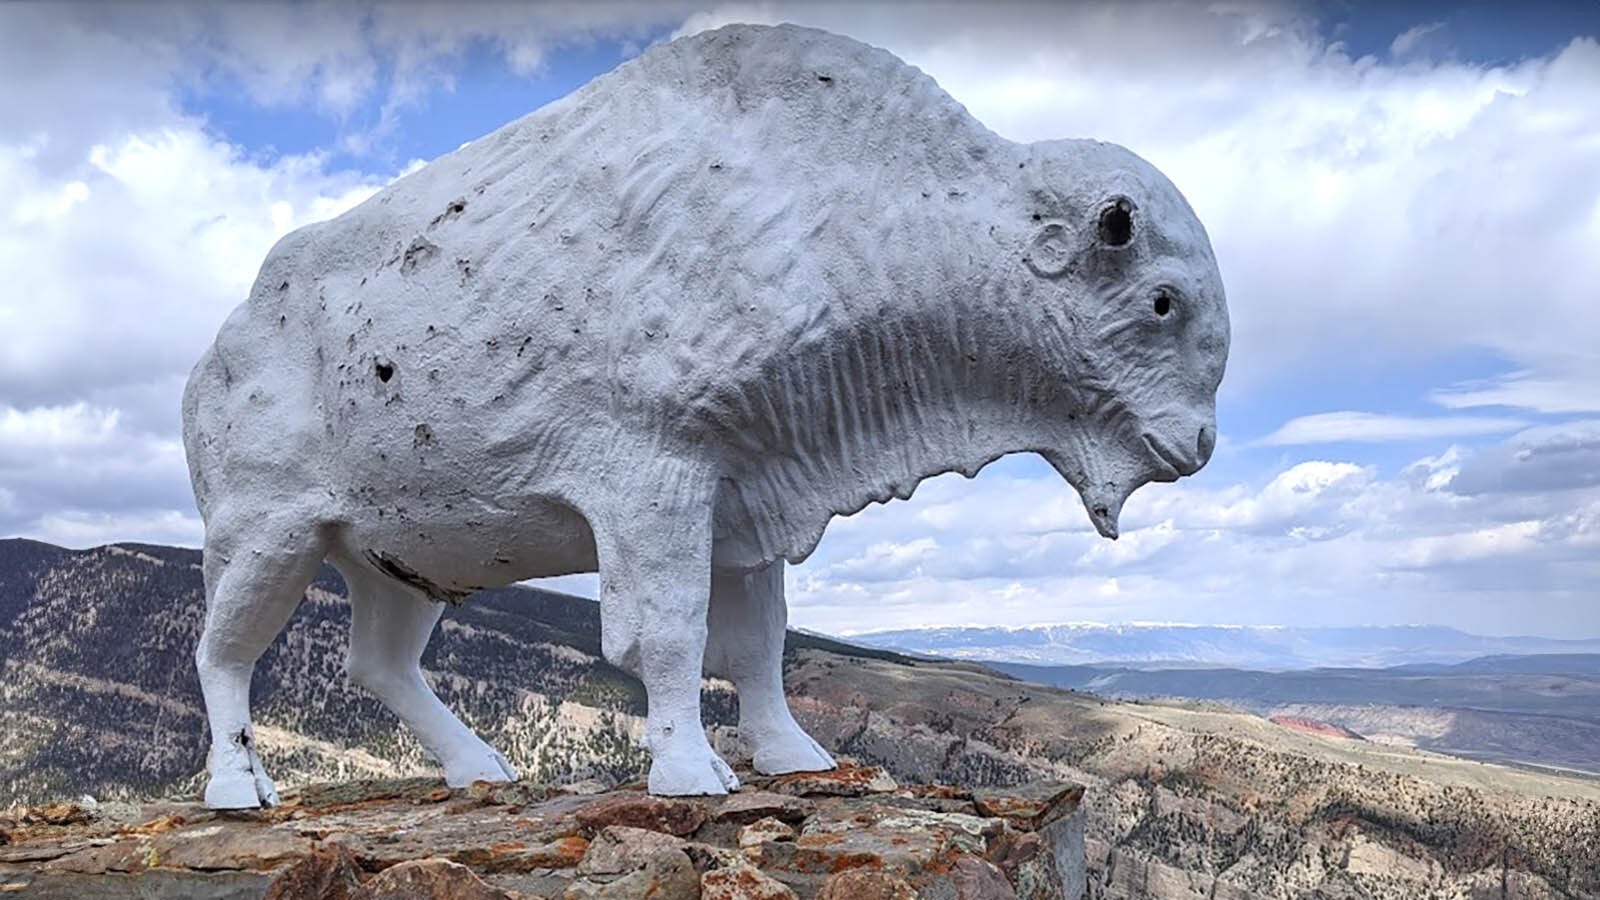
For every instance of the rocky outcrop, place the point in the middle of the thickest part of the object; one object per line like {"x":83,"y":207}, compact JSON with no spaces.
{"x":854,"y":833}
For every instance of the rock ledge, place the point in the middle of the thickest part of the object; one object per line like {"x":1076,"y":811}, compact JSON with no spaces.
{"x":853,"y":833}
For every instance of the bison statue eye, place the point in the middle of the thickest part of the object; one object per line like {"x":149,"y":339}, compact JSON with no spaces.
{"x":1163,"y":304}
{"x":1116,"y":223}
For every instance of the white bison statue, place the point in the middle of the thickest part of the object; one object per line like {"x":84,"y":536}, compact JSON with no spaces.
{"x":665,"y":329}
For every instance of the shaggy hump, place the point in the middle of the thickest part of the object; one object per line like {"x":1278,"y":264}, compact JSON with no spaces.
{"x":819,"y":95}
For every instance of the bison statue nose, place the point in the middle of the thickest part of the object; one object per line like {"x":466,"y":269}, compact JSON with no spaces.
{"x":1205,"y":444}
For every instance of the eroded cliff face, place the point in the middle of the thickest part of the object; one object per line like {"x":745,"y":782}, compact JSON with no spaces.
{"x":845,"y":835}
{"x":1200,"y":801}
{"x":97,"y":696}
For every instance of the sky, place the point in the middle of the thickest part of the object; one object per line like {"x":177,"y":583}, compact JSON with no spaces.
{"x":1404,"y":200}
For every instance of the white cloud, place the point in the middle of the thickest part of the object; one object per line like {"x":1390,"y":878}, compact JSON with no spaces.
{"x":1574,"y":388}
{"x":70,"y":472}
{"x":82,"y":529}
{"x":72,"y":81}
{"x":1415,"y":38}
{"x":25,"y":433}
{"x":123,"y":252}
{"x":284,"y":56}
{"x":1348,"y":426}
{"x":890,"y":557}
{"x":97,"y":70}
{"x":1139,"y":546}
{"x":397,"y":55}
{"x":1508,"y":540}
{"x":1549,"y":458}
{"x":1307,"y":501}
{"x":130,"y":281}
{"x":1319,"y":542}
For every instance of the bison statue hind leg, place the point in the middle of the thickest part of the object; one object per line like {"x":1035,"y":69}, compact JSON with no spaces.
{"x":255,"y":576}
{"x":390,"y":624}
{"x":745,"y":628}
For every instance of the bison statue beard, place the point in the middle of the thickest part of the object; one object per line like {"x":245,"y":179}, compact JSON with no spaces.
{"x":665,"y":329}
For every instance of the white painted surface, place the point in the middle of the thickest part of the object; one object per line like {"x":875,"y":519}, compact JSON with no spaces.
{"x":667,"y":327}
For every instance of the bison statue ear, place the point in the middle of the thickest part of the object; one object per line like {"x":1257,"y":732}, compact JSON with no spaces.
{"x":1049,"y":252}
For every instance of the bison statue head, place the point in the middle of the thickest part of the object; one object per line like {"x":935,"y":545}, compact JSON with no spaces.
{"x":1124,"y":288}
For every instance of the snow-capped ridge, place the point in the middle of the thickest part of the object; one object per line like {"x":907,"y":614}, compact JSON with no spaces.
{"x":1229,"y":645}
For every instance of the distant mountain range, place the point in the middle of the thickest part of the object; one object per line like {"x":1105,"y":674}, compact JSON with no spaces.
{"x":1235,"y":646}
{"x":1543,"y":709}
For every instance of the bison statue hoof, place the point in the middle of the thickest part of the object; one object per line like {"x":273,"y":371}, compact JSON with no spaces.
{"x":691,"y":772}
{"x":486,"y":764}
{"x":794,"y":753}
{"x":240,"y":790}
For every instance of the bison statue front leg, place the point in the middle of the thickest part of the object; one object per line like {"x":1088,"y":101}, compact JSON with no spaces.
{"x":745,"y":629}
{"x":655,"y":574}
